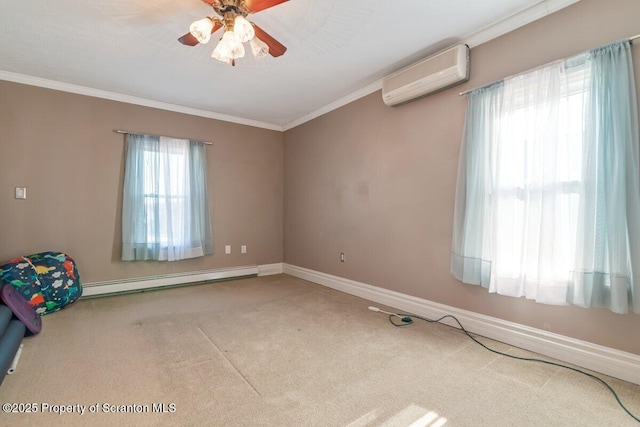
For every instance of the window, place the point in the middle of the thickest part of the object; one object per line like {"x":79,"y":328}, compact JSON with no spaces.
{"x":165,"y":200}
{"x":547,"y":202}
{"x":165,"y":195}
{"x":537,"y":180}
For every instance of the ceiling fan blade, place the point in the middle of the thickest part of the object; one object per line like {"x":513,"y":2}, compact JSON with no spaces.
{"x":257,"y":5}
{"x":189,"y":40}
{"x":275,"y":47}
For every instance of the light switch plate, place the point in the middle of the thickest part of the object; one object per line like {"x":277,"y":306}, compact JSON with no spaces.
{"x":21,"y":192}
{"x":227,"y":249}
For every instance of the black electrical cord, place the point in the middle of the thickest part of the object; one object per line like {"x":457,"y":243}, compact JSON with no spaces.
{"x":407,"y":319}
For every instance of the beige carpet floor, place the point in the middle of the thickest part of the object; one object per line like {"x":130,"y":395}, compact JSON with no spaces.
{"x":279,"y":351}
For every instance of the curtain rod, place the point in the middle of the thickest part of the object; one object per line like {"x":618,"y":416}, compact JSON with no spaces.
{"x":631,"y":39}
{"x":126,"y":132}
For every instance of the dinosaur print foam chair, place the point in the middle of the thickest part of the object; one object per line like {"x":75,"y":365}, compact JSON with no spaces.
{"x":49,"y":281}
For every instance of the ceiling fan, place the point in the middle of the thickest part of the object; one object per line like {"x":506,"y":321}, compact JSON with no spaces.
{"x":237,"y":30}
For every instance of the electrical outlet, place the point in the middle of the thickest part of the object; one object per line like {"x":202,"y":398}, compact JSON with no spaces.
{"x":243,"y":249}
{"x":342,"y":257}
{"x":227,"y":249}
{"x":21,"y":192}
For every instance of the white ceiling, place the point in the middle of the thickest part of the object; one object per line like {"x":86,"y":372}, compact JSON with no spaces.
{"x":128,"y":50}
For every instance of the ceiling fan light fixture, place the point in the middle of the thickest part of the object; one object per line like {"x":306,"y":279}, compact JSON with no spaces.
{"x":232,"y":47}
{"x":201,"y":29}
{"x":217,"y":55}
{"x":228,"y":49}
{"x":237,"y":30}
{"x":243,"y":29}
{"x":258,"y":47}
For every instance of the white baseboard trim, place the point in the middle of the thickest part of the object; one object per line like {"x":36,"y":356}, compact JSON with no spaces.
{"x":269,"y":269}
{"x":608,"y":361}
{"x":141,"y":283}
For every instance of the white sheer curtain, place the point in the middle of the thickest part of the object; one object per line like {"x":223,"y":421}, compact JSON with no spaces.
{"x":547,"y":202}
{"x":165,"y":207}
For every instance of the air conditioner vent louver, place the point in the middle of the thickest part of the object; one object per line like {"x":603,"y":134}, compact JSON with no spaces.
{"x":437,"y":72}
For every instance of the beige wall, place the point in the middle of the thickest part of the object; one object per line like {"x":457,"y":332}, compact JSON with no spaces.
{"x":62,"y":148}
{"x":374,"y":182}
{"x":378,"y":183}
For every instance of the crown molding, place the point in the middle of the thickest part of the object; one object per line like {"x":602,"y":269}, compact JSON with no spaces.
{"x":128,"y":99}
{"x":519,"y":19}
{"x":493,"y":31}
{"x":353,"y":96}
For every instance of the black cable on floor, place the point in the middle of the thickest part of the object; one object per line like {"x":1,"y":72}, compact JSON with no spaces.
{"x":407,"y":319}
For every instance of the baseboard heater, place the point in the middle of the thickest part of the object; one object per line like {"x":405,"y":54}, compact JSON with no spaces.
{"x":167,"y":280}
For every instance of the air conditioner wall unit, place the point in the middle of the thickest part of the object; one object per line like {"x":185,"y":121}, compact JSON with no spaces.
{"x":435,"y":73}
